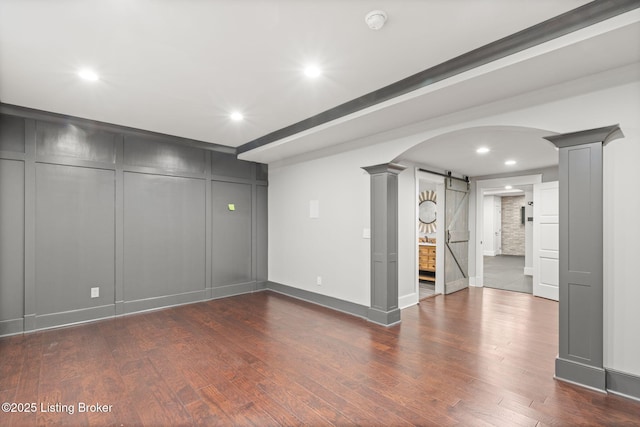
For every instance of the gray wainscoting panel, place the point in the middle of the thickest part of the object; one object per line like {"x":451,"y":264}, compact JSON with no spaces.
{"x":231,"y":233}
{"x":223,"y":164}
{"x":71,"y":141}
{"x":164,"y":239}
{"x":74,"y":238}
{"x":11,"y":242}
{"x":152,"y":153}
{"x":11,"y":133}
{"x":262,"y":232}
{"x":262,"y":172}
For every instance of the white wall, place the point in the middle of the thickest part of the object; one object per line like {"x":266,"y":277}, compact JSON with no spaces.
{"x":332,"y":246}
{"x":622,"y":243}
{"x":489,"y":228}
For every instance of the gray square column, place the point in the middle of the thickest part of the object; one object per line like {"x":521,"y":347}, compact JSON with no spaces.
{"x":580,"y":352}
{"x":384,"y":243}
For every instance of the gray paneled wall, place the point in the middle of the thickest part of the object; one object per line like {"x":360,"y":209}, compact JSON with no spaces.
{"x":11,"y":245}
{"x":164,"y":239}
{"x":232,"y":234}
{"x":148,"y":221}
{"x":74,"y":241}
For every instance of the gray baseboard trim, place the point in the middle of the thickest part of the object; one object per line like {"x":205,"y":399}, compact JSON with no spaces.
{"x":30,"y":322}
{"x":163,"y":301}
{"x":72,"y":317}
{"x":119,"y":308}
{"x":384,"y":318}
{"x":580,"y":374}
{"x":323,"y":300}
{"x":236,"y":289}
{"x":623,"y":384}
{"x":11,"y":327}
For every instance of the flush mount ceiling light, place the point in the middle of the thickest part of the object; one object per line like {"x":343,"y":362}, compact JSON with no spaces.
{"x":482,"y":150}
{"x":510,"y":162}
{"x":236,"y":116}
{"x":312,"y":71}
{"x":88,"y":75}
{"x":508,"y":187}
{"x":375,"y":19}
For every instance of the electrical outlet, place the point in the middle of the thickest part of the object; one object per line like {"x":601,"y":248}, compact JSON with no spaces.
{"x":319,"y":281}
{"x":95,"y":292}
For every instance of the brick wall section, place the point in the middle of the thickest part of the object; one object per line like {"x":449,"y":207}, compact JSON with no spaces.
{"x":512,"y":227}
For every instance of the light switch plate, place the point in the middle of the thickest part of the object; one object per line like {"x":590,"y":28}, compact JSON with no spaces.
{"x":95,"y":292}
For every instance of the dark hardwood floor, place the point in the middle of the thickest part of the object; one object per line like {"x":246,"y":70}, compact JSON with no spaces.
{"x":477,"y":357}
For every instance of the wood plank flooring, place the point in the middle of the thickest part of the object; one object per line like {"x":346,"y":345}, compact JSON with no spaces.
{"x":478,"y":357}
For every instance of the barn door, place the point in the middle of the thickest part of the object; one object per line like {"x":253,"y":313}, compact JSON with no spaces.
{"x":456,"y":259}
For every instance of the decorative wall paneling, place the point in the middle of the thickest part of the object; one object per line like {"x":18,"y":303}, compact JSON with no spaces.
{"x":146,"y":220}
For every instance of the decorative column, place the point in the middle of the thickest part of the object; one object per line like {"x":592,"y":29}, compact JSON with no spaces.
{"x":581,"y":350}
{"x":384,"y":243}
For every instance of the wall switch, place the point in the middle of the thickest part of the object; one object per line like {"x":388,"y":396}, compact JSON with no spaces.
{"x":95,"y":292}
{"x":319,"y":281}
{"x":366,"y":233}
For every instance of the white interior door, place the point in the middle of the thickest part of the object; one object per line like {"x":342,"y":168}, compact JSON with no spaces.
{"x":545,"y":240}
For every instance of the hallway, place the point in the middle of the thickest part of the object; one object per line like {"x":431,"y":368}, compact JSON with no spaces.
{"x":506,"y":272}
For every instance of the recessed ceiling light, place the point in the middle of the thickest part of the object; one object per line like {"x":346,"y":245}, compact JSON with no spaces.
{"x":312,"y":71}
{"x":508,"y":187}
{"x":510,"y":162}
{"x":236,"y":116}
{"x":88,"y":74}
{"x":482,"y":150}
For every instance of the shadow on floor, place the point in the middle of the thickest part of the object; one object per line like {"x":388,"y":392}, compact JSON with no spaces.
{"x":506,"y":272}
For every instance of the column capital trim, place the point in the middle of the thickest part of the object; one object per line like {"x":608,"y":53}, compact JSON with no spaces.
{"x":604,"y":134}
{"x":393,"y":168}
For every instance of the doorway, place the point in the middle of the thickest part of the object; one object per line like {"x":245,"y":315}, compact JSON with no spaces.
{"x":513,"y":273}
{"x":430,"y":233}
{"x":507,"y":238}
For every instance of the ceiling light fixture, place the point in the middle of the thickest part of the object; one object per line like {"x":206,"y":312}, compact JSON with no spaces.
{"x":510,"y":162}
{"x":236,"y":116}
{"x":375,"y":19}
{"x":508,"y":187}
{"x":312,"y":71}
{"x":88,"y":75}
{"x":482,"y":150}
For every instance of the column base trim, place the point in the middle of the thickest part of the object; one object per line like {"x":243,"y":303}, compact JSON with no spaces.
{"x":580,"y":374}
{"x":384,"y":318}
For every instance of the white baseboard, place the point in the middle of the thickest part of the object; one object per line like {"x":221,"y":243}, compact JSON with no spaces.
{"x":528,"y":271}
{"x":407,"y":300}
{"x":489,"y":253}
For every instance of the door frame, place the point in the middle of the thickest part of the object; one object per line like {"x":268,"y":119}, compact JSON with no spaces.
{"x":480,"y":187}
{"x":438,"y":182}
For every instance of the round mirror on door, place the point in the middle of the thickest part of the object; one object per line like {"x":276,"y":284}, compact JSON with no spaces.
{"x":427,"y":212}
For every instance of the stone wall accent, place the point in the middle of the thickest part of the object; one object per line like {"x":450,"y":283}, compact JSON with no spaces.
{"x":512,"y":228}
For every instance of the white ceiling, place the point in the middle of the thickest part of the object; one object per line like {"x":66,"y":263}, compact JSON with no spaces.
{"x":180,"y":67}
{"x":456,"y":151}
